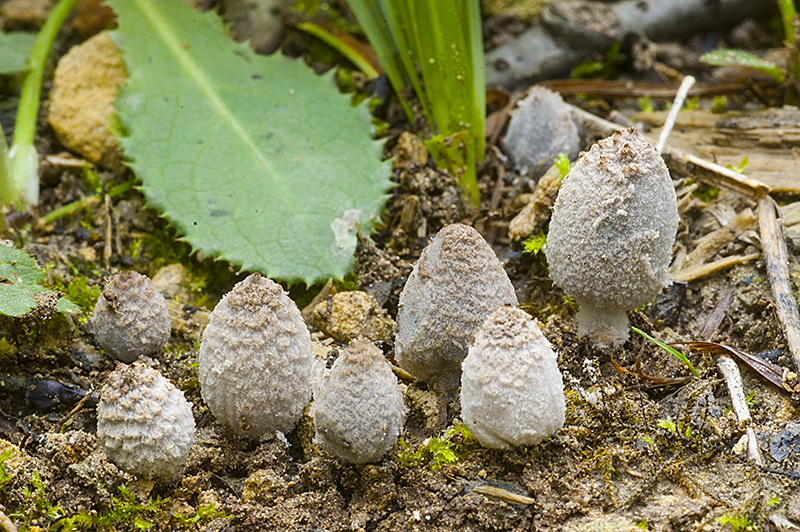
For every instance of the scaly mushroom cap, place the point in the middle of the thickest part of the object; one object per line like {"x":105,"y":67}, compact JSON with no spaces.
{"x":131,"y":318}
{"x":457,"y":282}
{"x":255,"y":359}
{"x":613,"y":227}
{"x":511,"y":388}
{"x":358,"y":405}
{"x":144,"y":424}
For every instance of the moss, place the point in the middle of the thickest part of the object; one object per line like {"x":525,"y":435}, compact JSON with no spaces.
{"x":210,"y":278}
{"x":8,"y":351}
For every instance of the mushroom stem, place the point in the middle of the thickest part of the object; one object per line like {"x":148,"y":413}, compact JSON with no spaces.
{"x":605,"y":327}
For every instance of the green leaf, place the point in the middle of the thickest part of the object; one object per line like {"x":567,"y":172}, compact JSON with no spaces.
{"x":17,"y":267}
{"x":741,"y":58}
{"x":15,"y":300}
{"x":255,"y":159}
{"x":20,"y":279}
{"x":15,"y":50}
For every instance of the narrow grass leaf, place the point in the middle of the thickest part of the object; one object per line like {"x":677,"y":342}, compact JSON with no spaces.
{"x":680,"y":356}
{"x":743,"y":59}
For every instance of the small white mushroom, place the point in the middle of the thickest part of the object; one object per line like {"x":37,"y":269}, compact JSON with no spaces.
{"x":611,"y":234}
{"x":511,"y":389}
{"x":131,"y":318}
{"x":144,"y":424}
{"x":358,"y":405}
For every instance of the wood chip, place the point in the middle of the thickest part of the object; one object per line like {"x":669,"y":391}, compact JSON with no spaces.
{"x":504,"y":495}
{"x":711,"y":243}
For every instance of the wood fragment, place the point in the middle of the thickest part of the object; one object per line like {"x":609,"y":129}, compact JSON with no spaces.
{"x":773,"y":243}
{"x":768,"y":138}
{"x":711,"y":243}
{"x":6,"y":524}
{"x":717,"y":313}
{"x":733,"y":379}
{"x":678,"y":160}
{"x":538,"y":209}
{"x":107,"y":241}
{"x":601,"y":88}
{"x":402,"y":374}
{"x":696,"y":272}
{"x":327,"y":291}
{"x":504,"y":495}
{"x":683,"y":90}
{"x":712,"y":173}
{"x":753,"y":453}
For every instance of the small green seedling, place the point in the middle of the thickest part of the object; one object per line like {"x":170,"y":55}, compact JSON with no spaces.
{"x":719,"y":104}
{"x":604,"y":69}
{"x":535,"y":243}
{"x":562,"y":163}
{"x":675,"y":428}
{"x":671,"y":350}
{"x":737,"y":522}
{"x":439,"y":451}
{"x":742,"y":165}
{"x":645,"y":104}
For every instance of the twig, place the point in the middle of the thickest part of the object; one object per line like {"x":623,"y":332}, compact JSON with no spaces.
{"x":717,"y":313}
{"x":6,"y":524}
{"x":75,"y":410}
{"x":108,"y":209}
{"x":716,"y":240}
{"x":503,"y":495}
{"x":683,"y":90}
{"x":733,"y":379}
{"x":696,"y":272}
{"x":773,"y":244}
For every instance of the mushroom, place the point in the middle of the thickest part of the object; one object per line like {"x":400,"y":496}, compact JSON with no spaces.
{"x":611,"y":234}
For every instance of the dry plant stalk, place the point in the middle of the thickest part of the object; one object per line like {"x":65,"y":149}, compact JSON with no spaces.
{"x":773,"y":244}
{"x":733,"y":379}
{"x":696,"y":272}
{"x":714,"y":241}
{"x":503,"y":495}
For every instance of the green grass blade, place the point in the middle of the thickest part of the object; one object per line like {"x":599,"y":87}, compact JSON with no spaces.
{"x":741,"y":58}
{"x":680,"y":356}
{"x":335,"y":42}
{"x":787,"y":14}
{"x":25,"y":161}
{"x":375,"y":19}
{"x":475,"y":34}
